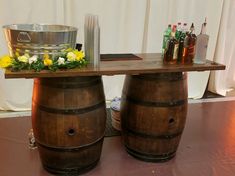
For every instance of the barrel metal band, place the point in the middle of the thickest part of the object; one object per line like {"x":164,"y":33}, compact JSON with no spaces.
{"x":150,"y":157}
{"x":171,"y":103}
{"x":69,"y":149}
{"x":144,"y":135}
{"x":69,"y":111}
{"x":67,"y":85}
{"x":71,"y":171}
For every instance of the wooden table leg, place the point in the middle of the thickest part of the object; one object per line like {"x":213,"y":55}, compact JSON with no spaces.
{"x":153,"y":114}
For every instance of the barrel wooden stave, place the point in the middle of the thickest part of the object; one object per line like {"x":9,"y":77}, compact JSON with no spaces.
{"x":70,"y":89}
{"x":153,"y":114}
{"x":71,"y":161}
{"x":85,"y":129}
{"x":68,"y":117}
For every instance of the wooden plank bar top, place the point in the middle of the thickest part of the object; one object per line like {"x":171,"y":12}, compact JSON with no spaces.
{"x":148,"y":63}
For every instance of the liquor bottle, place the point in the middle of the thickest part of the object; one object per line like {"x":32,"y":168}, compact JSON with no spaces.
{"x":201,"y":46}
{"x":178,"y":31}
{"x":189,"y":46}
{"x":32,"y":142}
{"x":166,"y":37}
{"x":184,"y":28}
{"x":181,"y":43}
{"x":171,"y":51}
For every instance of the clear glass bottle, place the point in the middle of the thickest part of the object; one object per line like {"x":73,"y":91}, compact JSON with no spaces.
{"x":201,"y":46}
{"x":185,"y":28}
{"x":32,"y":142}
{"x":166,"y":37}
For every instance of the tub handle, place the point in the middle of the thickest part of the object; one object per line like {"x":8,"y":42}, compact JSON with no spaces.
{"x":23,"y":37}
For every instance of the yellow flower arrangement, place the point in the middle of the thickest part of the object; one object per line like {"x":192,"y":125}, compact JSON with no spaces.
{"x":24,"y":58}
{"x":17,"y":54}
{"x":47,"y":62}
{"x":79,"y":55}
{"x":5,"y":61}
{"x":70,"y":58}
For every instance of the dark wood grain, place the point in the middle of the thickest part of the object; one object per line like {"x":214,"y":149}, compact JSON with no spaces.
{"x":153,"y":114}
{"x":68,"y":119}
{"x":150,"y":63}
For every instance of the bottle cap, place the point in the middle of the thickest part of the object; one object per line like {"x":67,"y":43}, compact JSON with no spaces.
{"x":192,"y":27}
{"x":174,"y":28}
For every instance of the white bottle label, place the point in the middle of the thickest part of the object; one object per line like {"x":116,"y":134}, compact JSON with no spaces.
{"x":175,"y":55}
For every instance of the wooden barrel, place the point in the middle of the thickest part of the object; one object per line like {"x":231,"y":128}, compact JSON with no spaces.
{"x":68,"y":118}
{"x":153,"y":114}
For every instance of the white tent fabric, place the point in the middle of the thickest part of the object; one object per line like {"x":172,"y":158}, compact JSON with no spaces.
{"x":163,"y":12}
{"x":16,"y":94}
{"x":132,"y":26}
{"x":223,"y":81}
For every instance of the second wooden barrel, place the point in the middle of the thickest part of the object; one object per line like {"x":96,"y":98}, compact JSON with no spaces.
{"x":153,"y":114}
{"x":68,"y":118}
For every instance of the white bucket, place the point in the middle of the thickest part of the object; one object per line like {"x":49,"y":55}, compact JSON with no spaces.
{"x":115,"y":113}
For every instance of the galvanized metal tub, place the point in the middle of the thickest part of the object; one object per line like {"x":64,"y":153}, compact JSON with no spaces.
{"x":38,"y":39}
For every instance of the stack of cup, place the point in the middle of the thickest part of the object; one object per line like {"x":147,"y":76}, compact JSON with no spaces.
{"x":92,"y":39}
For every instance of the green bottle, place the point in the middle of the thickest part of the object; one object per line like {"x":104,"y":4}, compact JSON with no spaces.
{"x":171,"y":51}
{"x":178,"y":31}
{"x":166,"y":37}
